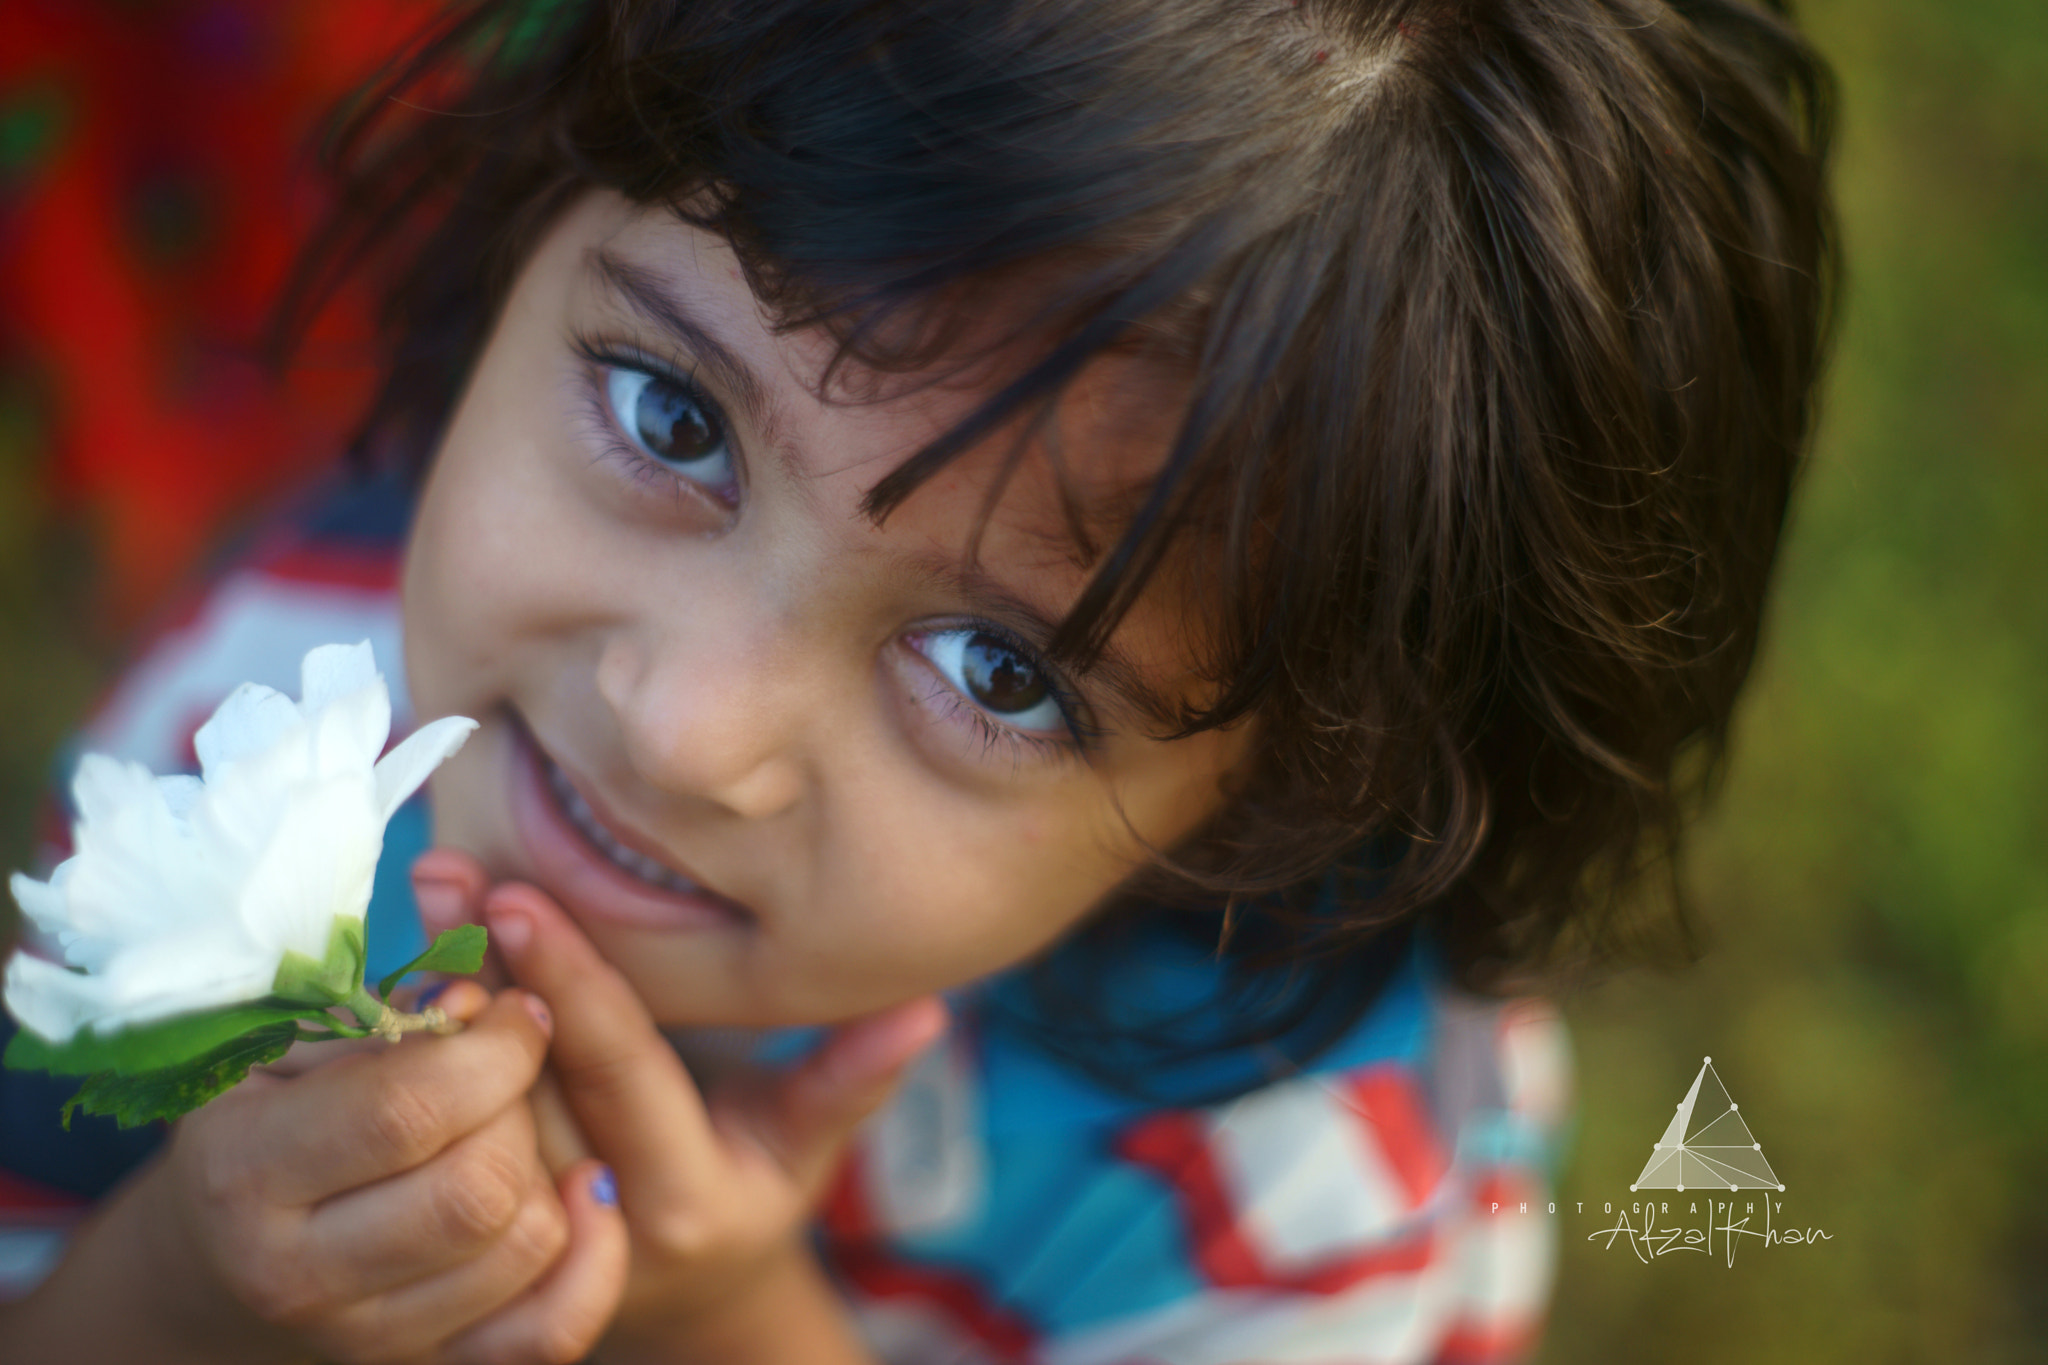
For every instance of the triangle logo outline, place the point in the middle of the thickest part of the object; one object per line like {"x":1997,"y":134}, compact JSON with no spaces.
{"x":1707,"y":1145}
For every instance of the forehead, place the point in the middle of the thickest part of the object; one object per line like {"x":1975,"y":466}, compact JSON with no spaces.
{"x":1070,"y":471}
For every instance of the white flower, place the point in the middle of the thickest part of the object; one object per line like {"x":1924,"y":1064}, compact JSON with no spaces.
{"x":187,"y":893}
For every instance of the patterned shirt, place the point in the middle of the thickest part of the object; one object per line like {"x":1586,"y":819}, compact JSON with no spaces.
{"x":1375,"y":1206}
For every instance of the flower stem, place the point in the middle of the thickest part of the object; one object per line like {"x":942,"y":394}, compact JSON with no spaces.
{"x":390,"y":1024}
{"x":329,"y":1032}
{"x":367,"y":1008}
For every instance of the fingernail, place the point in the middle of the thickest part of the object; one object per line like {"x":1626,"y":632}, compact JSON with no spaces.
{"x":440,"y":903}
{"x":536,"y":1007}
{"x":432,"y":993}
{"x":511,"y":933}
{"x":604,"y":1187}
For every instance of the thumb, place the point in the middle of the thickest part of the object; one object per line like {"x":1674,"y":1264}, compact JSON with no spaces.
{"x":804,"y":1117}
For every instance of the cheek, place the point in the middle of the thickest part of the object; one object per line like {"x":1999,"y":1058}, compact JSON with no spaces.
{"x":495,"y":532}
{"x":962,"y":890}
{"x":494,"y":559}
{"x":1167,"y":800}
{"x":948,"y":893}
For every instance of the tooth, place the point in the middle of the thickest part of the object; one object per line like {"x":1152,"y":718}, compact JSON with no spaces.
{"x":584,"y":818}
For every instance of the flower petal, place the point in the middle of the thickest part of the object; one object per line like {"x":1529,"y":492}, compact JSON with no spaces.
{"x":130,"y":873}
{"x":51,"y":1001}
{"x":332,"y":672}
{"x":252,"y":719}
{"x":400,"y":772}
{"x":320,"y":862}
{"x":179,"y":977}
{"x":349,"y":731}
{"x":43,"y":902}
{"x":105,"y":789}
{"x":181,"y":793}
{"x":54,"y":1002}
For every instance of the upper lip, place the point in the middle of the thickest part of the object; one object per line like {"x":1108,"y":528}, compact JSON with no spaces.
{"x":625,"y":833}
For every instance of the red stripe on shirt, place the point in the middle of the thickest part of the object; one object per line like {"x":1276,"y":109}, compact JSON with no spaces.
{"x":1176,"y":1146}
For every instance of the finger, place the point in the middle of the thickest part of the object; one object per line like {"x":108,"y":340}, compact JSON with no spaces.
{"x":561,"y":1318}
{"x":561,"y":1142}
{"x":449,"y":887}
{"x":461,"y":998}
{"x":433,"y":1217}
{"x":371,"y":1116}
{"x":440,"y":1306}
{"x":803,"y":1118}
{"x":629,"y":1093}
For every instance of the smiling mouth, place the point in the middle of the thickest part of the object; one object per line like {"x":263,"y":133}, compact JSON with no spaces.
{"x":583,"y":819}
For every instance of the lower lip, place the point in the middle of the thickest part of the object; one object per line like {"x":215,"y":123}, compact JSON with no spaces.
{"x":590,"y":885}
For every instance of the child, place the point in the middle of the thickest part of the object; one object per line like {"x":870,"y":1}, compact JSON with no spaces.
{"x":1184,"y":529}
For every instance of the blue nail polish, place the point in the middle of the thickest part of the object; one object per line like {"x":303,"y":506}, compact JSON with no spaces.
{"x":431,"y":994}
{"x":604,"y":1187}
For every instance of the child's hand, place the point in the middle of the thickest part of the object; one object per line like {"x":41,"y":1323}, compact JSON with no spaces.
{"x":715,"y":1196}
{"x":392,"y":1206}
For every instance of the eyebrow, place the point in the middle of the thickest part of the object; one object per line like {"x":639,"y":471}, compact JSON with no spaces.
{"x":644,"y":292}
{"x":1112,"y":669}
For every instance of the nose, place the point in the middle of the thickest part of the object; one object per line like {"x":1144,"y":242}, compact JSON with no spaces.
{"x":711,"y":717}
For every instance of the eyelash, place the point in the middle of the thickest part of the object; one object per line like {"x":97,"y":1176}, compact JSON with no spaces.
{"x":1082,"y":735}
{"x":599,"y":356}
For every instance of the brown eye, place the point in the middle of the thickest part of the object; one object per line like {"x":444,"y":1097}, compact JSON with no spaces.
{"x":671,"y":423}
{"x":997,"y":676}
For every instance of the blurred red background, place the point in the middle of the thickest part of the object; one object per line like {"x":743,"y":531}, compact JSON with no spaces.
{"x":156,"y":171}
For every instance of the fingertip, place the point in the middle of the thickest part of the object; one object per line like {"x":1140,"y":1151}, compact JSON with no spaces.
{"x":537,"y":1010}
{"x":590,"y":1195}
{"x":450,"y":864}
{"x":805,"y":1118}
{"x":598,"y":1183}
{"x":514,"y":912}
{"x":574,"y":1304}
{"x":447,"y":885}
{"x":511,"y":932}
{"x":460,"y":998}
{"x":518,"y":897}
{"x":864,"y":1059}
{"x":524,"y":1013}
{"x":926,"y":1020}
{"x":883,"y":1043}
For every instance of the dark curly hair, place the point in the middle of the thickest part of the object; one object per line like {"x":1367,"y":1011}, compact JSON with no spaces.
{"x":1503,"y":319}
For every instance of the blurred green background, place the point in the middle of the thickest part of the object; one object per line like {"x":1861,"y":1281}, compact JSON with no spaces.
{"x":1874,"y":878}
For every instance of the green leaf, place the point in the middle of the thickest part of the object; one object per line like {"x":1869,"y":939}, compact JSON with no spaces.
{"x":458,"y":952}
{"x":331,"y":980}
{"x":142,"y":1098}
{"x":147,"y":1047}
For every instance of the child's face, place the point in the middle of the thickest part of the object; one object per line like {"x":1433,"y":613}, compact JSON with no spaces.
{"x":782,"y":764}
